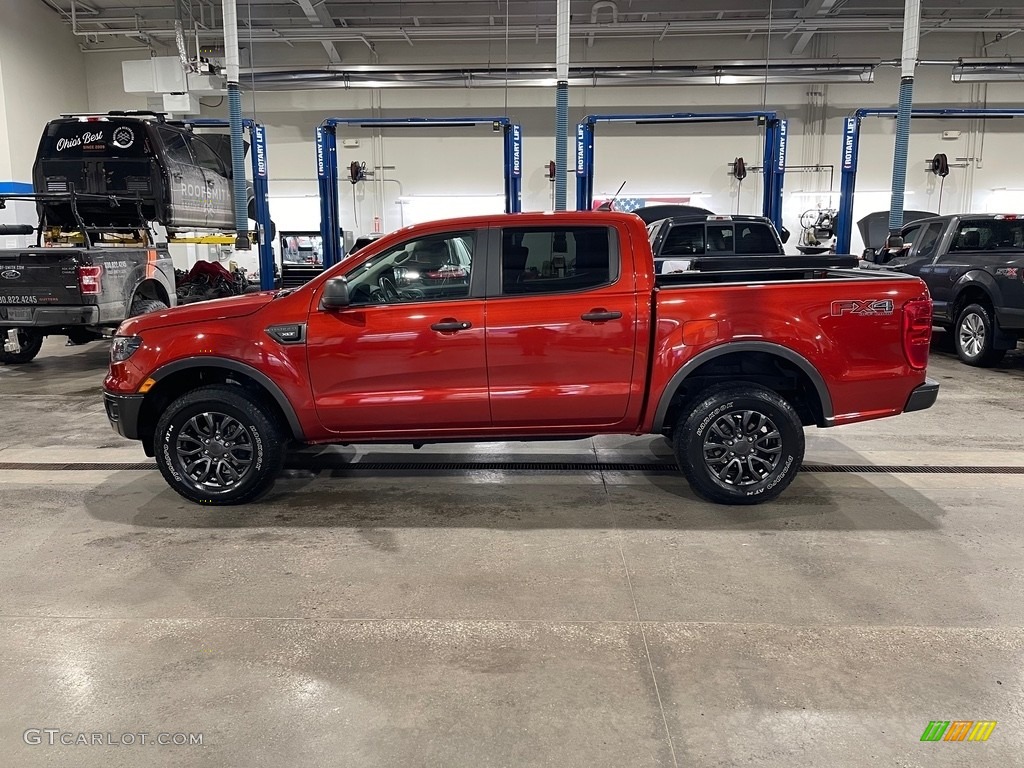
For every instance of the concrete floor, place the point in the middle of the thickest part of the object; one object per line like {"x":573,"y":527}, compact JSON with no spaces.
{"x":514,"y":619}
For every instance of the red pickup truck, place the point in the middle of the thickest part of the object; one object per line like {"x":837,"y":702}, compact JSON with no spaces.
{"x":520,"y":327}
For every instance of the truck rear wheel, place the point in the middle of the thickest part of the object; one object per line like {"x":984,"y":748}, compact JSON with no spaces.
{"x":739,"y":444}
{"x":974,"y":337}
{"x":218,"y":445}
{"x":31,"y":342}
{"x":143,"y":306}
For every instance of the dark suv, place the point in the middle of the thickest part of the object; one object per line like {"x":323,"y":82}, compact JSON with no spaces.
{"x":183,"y":179}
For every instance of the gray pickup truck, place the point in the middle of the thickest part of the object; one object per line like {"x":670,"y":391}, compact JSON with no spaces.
{"x":81,"y":290}
{"x":973,"y":264}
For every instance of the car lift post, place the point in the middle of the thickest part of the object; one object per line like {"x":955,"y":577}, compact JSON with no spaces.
{"x":851,"y":152}
{"x":327,"y":166}
{"x":260,"y":187}
{"x":774,"y":161}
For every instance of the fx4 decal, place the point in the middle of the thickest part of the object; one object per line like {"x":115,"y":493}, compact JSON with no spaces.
{"x":862,"y":307}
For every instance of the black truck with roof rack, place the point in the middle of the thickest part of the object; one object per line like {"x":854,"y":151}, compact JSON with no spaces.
{"x":99,"y":182}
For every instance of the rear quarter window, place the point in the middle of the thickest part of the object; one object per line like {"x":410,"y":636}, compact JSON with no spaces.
{"x":989,"y":235}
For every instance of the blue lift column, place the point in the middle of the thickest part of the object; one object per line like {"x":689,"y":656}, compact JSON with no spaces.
{"x":327,"y":166}
{"x":774,"y":160}
{"x":260,"y":185}
{"x":332,"y":247}
{"x":847,"y":183}
{"x":851,"y":152}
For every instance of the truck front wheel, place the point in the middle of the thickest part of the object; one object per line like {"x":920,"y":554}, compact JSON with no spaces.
{"x":218,"y":445}
{"x":30,"y":341}
{"x":739,"y":444}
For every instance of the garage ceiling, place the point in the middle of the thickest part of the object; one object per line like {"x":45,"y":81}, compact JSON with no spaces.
{"x":328,"y":22}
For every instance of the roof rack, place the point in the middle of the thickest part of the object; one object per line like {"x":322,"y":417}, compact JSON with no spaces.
{"x":160,"y":117}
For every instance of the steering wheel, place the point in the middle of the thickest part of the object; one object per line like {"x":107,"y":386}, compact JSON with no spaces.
{"x":389,"y":290}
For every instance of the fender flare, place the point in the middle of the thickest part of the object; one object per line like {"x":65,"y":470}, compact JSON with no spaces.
{"x":976,"y":278}
{"x":728,"y":348}
{"x":207,"y":361}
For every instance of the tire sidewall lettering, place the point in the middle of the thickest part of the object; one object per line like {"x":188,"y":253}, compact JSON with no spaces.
{"x":712,"y":416}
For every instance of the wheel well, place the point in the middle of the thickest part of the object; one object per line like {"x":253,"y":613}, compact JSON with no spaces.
{"x":972,"y":295}
{"x":176,"y":384}
{"x":151,"y":289}
{"x":782,"y":376}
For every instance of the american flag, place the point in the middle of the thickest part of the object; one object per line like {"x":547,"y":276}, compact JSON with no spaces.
{"x":630,"y":204}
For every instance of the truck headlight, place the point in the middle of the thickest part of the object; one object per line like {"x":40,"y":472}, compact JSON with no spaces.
{"x":124,"y":347}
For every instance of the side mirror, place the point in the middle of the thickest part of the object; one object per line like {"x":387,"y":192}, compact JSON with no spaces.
{"x":870,"y":255}
{"x":784,"y":235}
{"x":335,"y":294}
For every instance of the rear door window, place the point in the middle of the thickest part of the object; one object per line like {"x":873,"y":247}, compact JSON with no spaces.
{"x":989,"y":235}
{"x":557,"y":259}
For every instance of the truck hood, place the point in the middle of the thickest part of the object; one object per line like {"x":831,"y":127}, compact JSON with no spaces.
{"x":216,"y":309}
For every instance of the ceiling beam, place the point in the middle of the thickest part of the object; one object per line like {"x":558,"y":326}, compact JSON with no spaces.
{"x":802,"y":42}
{"x":320,"y":17}
{"x":817,"y":8}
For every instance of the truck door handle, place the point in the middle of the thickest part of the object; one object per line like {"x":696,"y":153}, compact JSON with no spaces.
{"x":600,"y":316}
{"x":450,"y":325}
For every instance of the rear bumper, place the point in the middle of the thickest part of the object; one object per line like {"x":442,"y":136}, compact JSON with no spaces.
{"x":47,"y":317}
{"x":123,"y":413}
{"x":923,"y":396}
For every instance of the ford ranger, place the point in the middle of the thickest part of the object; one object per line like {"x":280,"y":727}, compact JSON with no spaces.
{"x":552,"y":326}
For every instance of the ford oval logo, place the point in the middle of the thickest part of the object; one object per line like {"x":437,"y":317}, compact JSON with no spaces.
{"x":10,"y":274}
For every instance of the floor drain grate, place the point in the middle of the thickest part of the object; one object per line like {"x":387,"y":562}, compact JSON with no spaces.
{"x":522,"y":466}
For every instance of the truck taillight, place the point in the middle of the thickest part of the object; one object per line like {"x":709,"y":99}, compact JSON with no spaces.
{"x":917,"y":331}
{"x":90,"y":282}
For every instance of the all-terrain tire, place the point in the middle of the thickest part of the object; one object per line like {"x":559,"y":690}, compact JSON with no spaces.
{"x":739,"y":444}
{"x":143,"y":306}
{"x":219,"y":445}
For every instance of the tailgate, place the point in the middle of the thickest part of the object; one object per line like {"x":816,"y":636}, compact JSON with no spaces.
{"x":38,"y":277}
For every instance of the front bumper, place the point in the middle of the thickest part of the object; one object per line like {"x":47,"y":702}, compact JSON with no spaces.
{"x":923,"y":396}
{"x":48,"y":317}
{"x":123,"y":413}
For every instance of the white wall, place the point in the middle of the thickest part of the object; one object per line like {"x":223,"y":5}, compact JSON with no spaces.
{"x":42,"y":73}
{"x":666,"y":159}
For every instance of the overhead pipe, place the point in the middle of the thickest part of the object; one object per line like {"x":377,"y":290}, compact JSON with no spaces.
{"x":598,"y":6}
{"x":242,"y":241}
{"x":561,"y":101}
{"x":911,"y":44}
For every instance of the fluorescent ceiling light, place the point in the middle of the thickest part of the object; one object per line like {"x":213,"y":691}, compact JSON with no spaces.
{"x":987,"y":72}
{"x":583,"y":76}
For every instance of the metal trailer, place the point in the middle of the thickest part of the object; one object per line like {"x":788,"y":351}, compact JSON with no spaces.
{"x":774,"y":162}
{"x":851,"y":151}
{"x":327,"y":166}
{"x":260,"y":184}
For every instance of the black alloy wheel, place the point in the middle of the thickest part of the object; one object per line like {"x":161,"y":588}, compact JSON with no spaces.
{"x":219,"y":445}
{"x":739,"y":444}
